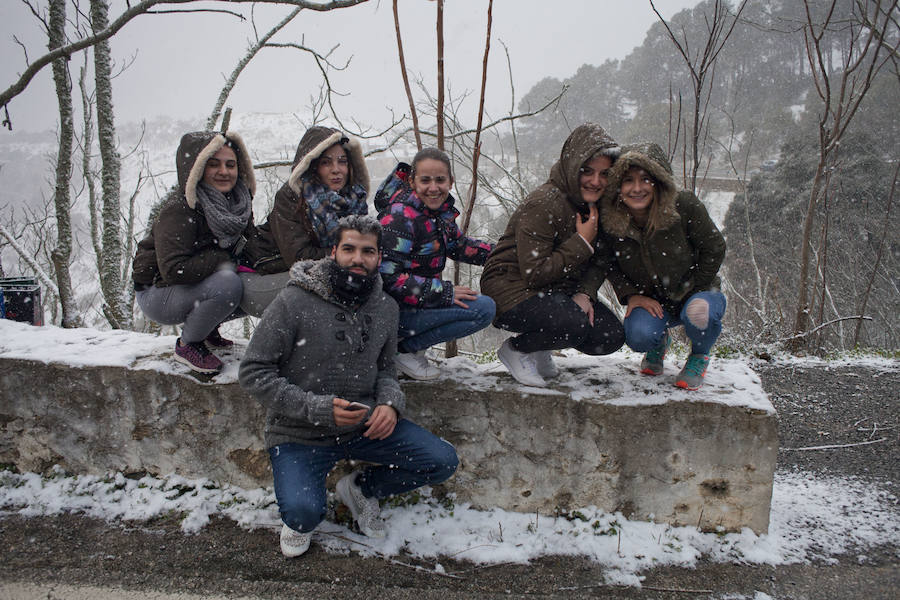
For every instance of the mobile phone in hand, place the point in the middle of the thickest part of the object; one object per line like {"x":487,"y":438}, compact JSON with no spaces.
{"x":356,"y":406}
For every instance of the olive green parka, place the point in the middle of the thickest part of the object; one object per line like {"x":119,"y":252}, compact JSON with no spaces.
{"x":680,"y":257}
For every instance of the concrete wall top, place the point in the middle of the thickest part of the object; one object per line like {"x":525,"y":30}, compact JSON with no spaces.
{"x":611,"y":379}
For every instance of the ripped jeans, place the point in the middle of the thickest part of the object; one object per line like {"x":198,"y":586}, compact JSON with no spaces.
{"x":643,"y":331}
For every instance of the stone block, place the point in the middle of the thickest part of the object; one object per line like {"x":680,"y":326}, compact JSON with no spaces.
{"x":603,"y":435}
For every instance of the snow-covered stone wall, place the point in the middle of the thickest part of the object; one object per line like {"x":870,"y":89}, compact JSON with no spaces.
{"x":603,"y":436}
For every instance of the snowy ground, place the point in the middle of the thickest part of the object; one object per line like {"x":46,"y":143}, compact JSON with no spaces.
{"x":814,"y":517}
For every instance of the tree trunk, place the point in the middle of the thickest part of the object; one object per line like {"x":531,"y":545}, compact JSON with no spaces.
{"x":61,"y":254}
{"x":452,"y":347}
{"x":801,"y":316}
{"x":87,"y":105}
{"x":111,"y":259}
{"x":412,"y":105}
{"x":440,"y":74}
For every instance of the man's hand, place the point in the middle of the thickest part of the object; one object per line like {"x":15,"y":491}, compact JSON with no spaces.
{"x":584,"y":303}
{"x":344,"y":417}
{"x":462,"y":293}
{"x":382,"y":422}
{"x":587,"y":227}
{"x":647,"y":303}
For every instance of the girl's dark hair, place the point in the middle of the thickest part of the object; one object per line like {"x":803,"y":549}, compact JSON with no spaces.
{"x":434,"y":154}
{"x":237,"y":153}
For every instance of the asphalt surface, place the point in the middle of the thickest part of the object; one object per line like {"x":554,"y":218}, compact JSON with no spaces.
{"x":852,"y":409}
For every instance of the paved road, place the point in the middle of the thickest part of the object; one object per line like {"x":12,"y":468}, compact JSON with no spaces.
{"x":55,"y":558}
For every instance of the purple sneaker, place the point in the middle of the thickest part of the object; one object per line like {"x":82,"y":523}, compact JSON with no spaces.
{"x":197,"y":357}
{"x":215,"y":340}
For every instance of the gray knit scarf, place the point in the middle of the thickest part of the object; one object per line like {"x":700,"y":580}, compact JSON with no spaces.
{"x":227,"y":214}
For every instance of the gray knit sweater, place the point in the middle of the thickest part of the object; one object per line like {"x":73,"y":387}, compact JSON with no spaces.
{"x":309,"y":348}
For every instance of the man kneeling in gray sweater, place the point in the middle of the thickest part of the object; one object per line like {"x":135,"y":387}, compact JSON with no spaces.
{"x":322,"y":363}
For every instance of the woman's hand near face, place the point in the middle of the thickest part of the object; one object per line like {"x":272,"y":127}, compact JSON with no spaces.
{"x":587,"y":227}
{"x":647,"y":303}
{"x":462,"y":293}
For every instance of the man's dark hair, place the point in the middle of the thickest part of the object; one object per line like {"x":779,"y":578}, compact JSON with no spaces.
{"x":363,"y":224}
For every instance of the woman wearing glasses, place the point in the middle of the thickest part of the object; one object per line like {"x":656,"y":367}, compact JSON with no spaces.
{"x":418,"y":219}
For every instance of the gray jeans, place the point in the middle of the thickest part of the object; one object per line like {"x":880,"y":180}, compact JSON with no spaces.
{"x":260,"y":290}
{"x":200,"y":306}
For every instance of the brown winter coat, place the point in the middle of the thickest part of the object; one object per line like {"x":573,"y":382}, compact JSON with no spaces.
{"x":541,"y":250}
{"x":680,"y":257}
{"x":288,"y":235}
{"x":180,"y":248}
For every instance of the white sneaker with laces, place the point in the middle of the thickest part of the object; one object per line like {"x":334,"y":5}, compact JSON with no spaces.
{"x":546,"y":368}
{"x":415,"y":365}
{"x":520,"y":365}
{"x":366,"y":511}
{"x":294,"y":543}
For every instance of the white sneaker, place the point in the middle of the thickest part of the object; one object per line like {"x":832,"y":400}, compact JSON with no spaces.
{"x":366,"y":511}
{"x":546,"y":368}
{"x":294,"y":543}
{"x":415,"y":365}
{"x":520,"y":365}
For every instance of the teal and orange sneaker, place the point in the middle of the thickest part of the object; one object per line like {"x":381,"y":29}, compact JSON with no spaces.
{"x":691,"y":376}
{"x":653,"y":360}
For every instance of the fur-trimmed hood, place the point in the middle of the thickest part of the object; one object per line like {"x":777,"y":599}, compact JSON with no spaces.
{"x":584,"y":141}
{"x":614,"y":215}
{"x":317,"y":140}
{"x":312,"y":276}
{"x":198,"y":147}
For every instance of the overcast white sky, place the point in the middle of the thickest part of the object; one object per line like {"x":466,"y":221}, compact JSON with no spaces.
{"x":181,"y":60}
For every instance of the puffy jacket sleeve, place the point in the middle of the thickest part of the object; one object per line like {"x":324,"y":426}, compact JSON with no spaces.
{"x":179,"y":254}
{"x":397,"y":265}
{"x":463,"y":248}
{"x":542,"y":258}
{"x":270,"y":347}
{"x":705,"y":237}
{"x":622,"y":285}
{"x":291,"y":229}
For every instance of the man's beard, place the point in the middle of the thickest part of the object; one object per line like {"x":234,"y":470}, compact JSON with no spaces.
{"x":349,"y":287}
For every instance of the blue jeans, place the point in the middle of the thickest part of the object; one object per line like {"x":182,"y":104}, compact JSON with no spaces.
{"x":407,"y":459}
{"x":643,"y":331}
{"x":421,"y":328}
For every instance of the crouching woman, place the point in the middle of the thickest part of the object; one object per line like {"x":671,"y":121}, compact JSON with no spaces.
{"x":664,"y":256}
{"x":184,"y":270}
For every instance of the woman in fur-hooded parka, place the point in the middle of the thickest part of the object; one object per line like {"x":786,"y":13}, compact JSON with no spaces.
{"x":288,"y":235}
{"x":184,"y":270}
{"x":303,"y":217}
{"x":664,"y":255}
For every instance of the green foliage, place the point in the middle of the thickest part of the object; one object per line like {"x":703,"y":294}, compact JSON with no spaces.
{"x":486,"y":357}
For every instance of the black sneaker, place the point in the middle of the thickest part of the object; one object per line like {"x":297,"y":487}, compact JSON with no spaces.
{"x":215,"y":340}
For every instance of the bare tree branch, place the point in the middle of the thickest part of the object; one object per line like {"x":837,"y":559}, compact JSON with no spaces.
{"x":251,"y":52}
{"x":123,"y":19}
